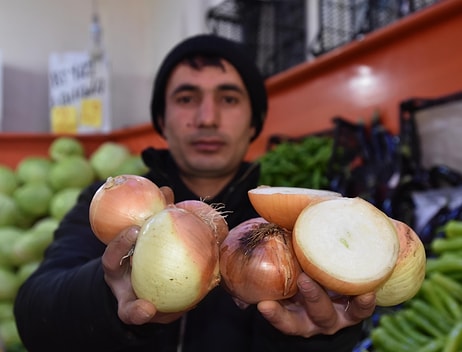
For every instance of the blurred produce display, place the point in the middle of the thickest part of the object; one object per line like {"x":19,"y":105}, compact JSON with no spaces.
{"x":34,"y":197}
{"x":297,"y":162}
{"x":432,"y":320}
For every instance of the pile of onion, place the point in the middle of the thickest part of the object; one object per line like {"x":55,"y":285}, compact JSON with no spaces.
{"x":346,"y":244}
{"x":175,"y":261}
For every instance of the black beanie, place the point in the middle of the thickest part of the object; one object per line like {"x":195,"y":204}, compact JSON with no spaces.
{"x":234,"y":53}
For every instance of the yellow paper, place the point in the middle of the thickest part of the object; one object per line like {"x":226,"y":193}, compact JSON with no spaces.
{"x":92,"y":113}
{"x":64,"y":119}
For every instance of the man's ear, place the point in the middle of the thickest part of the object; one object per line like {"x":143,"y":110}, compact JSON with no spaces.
{"x":253,"y":132}
{"x":160,"y":121}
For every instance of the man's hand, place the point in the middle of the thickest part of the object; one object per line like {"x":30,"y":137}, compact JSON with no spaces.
{"x":117,"y":273}
{"x":313,"y":312}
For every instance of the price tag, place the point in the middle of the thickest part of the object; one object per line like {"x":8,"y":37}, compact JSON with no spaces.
{"x":64,"y":119}
{"x":91,"y":113}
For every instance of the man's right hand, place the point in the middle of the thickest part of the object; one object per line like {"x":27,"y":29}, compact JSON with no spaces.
{"x":117,"y":273}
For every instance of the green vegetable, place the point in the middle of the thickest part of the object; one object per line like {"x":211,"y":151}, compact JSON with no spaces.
{"x":427,"y":311}
{"x":8,"y":211}
{"x":422,"y":323}
{"x":441,"y":245}
{"x":454,"y":340}
{"x":133,"y":165}
{"x":433,"y":346}
{"x":107,"y":159}
{"x":33,"y":169}
{"x":453,"y":228}
{"x":64,"y":147}
{"x":388,"y":322}
{"x":63,"y":201}
{"x":71,"y":172}
{"x":8,"y":284}
{"x":387,"y":343}
{"x":297,"y":164}
{"x":8,"y":236}
{"x":407,"y":328}
{"x":8,"y":180}
{"x":443,"y":265}
{"x":33,"y":198}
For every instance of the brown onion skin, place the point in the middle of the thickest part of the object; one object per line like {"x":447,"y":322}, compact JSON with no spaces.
{"x":210,"y":215}
{"x":284,"y":208}
{"x":269,"y":271}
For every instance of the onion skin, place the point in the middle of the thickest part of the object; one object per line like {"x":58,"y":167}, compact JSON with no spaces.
{"x":257,"y":271}
{"x":175,"y":262}
{"x":209,"y":214}
{"x":123,"y":201}
{"x":282,"y":205}
{"x":409,"y":272}
{"x":346,"y":244}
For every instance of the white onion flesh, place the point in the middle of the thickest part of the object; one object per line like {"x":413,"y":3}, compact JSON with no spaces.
{"x":346,"y":244}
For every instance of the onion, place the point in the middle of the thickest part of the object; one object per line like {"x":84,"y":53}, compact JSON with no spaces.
{"x":257,"y":262}
{"x":282,"y":205}
{"x":123,"y":201}
{"x":210,"y":214}
{"x":175,"y":260}
{"x":409,"y":272}
{"x":346,"y":244}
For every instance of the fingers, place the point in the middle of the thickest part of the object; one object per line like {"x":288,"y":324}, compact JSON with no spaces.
{"x":168,"y":194}
{"x":116,"y":250}
{"x":136,"y":312}
{"x":361,"y":307}
{"x":313,"y":311}
{"x":311,"y":314}
{"x":317,"y":302}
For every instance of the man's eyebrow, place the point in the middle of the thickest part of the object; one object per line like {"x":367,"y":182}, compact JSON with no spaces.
{"x":232,"y":87}
{"x":184,"y":88}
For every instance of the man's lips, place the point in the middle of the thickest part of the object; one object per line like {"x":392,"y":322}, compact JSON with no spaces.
{"x":207,"y":145}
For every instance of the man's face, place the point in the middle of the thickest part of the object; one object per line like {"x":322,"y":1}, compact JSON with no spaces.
{"x":207,"y":120}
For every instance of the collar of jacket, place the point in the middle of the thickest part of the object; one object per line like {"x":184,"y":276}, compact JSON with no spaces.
{"x":164,"y":172}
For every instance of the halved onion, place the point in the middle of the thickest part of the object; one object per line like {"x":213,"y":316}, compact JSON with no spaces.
{"x":346,"y":244}
{"x":282,"y":205}
{"x":175,"y":260}
{"x":409,"y":272}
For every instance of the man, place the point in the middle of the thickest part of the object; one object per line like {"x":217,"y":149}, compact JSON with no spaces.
{"x":209,"y":102}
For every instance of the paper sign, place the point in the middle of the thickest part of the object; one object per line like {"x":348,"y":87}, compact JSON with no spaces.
{"x":79,"y":93}
{"x":64,"y":119}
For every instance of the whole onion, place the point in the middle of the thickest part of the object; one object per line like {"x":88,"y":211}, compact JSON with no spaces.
{"x":409,"y":272}
{"x":123,"y":201}
{"x":175,"y":260}
{"x":257,"y":262}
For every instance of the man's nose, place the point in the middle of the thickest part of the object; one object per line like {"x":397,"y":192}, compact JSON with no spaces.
{"x":208,"y":113}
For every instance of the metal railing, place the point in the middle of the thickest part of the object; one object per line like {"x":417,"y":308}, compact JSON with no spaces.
{"x":275,"y":31}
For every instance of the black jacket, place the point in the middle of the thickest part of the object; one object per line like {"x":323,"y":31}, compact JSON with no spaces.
{"x":67,"y":306}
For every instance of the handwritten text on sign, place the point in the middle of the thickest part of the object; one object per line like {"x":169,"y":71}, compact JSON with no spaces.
{"x":79,"y":93}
